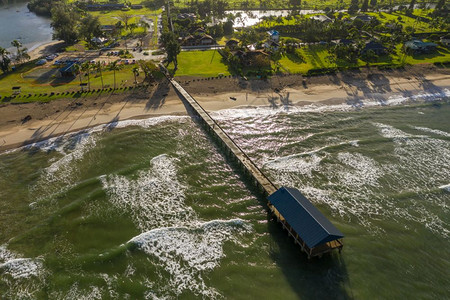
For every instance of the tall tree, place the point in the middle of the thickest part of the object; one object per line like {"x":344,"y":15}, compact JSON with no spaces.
{"x":4,"y":60}
{"x":411,"y":4}
{"x":86,"y":67}
{"x":90,"y":28}
{"x":99,"y":67}
{"x":373,"y":3}
{"x":135,"y":71}
{"x":114,"y":66}
{"x":64,"y":23}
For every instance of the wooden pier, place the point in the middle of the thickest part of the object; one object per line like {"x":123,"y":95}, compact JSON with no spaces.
{"x":265,"y":186}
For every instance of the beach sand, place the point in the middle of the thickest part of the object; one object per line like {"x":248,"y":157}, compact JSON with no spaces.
{"x":355,"y":88}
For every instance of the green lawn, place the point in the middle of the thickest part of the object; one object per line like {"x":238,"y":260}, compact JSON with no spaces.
{"x":316,"y":57}
{"x":37,"y":80}
{"x":200,"y":63}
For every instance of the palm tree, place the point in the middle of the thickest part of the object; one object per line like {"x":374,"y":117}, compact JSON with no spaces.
{"x":77,"y":70}
{"x":86,"y":67}
{"x":98,"y":67}
{"x":135,"y":71}
{"x":17,"y":45}
{"x":4,"y":56}
{"x":114,"y":66}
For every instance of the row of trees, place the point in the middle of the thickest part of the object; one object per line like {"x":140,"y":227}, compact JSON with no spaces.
{"x":150,"y":70}
{"x":20,"y":56}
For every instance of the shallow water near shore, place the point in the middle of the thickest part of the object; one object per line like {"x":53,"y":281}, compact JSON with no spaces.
{"x":151,"y":209}
{"x":18,"y":23}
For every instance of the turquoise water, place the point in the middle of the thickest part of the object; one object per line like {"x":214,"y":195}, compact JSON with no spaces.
{"x":151,"y":209}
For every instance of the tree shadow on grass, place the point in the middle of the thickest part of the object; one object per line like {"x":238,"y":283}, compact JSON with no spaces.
{"x":158,"y":97}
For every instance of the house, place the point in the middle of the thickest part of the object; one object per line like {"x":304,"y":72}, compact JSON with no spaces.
{"x":420,"y":47}
{"x":253,"y":58}
{"x":321,"y":18}
{"x":106,"y":6}
{"x":274,"y":36}
{"x":232,"y":44}
{"x":376,"y":47}
{"x":364,"y":18}
{"x":345,"y":42}
{"x":271,"y":45}
{"x":68,"y":70}
{"x":108,"y":29}
{"x":445,"y":40}
{"x":207,"y":40}
{"x":190,"y":16}
{"x":198,"y":40}
{"x":99,"y":40}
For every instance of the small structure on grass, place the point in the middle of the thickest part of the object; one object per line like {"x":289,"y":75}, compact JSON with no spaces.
{"x":420,"y":47}
{"x":304,"y":222}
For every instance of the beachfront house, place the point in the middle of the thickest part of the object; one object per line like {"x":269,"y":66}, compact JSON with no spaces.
{"x":420,"y":47}
{"x":106,"y":6}
{"x":445,"y":40}
{"x":232,"y":44}
{"x":273,"y":35}
{"x":321,"y":18}
{"x":376,"y":47}
{"x":202,"y":39}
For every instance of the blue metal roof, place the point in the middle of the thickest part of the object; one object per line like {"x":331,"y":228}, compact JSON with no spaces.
{"x":309,"y":223}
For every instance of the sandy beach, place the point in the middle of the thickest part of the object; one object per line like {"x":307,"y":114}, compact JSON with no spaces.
{"x":23,"y":124}
{"x":45,"y":49}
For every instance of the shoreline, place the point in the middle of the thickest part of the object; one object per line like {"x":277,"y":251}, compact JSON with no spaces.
{"x":65,"y":116}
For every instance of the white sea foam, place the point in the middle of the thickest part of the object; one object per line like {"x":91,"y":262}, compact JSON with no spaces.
{"x":186,"y":253}
{"x":299,"y":163}
{"x":361,"y":170}
{"x":445,"y":187}
{"x":258,"y":111}
{"x":154,"y":199}
{"x":22,"y":276}
{"x":435,"y":131}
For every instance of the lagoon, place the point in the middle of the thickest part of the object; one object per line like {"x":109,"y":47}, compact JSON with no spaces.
{"x":18,"y":23}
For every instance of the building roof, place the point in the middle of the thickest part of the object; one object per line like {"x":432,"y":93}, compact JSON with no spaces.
{"x":321,"y":18}
{"x":309,"y":223}
{"x":374,"y":45}
{"x":418,"y":44}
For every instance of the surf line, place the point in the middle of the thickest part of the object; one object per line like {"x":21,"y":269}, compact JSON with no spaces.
{"x":298,"y":216}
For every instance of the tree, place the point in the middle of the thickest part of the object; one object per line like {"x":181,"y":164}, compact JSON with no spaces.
{"x":365,"y":5}
{"x":353,"y":8}
{"x":411,"y":4}
{"x":76,"y":68}
{"x":132,"y":27}
{"x":114,"y":66}
{"x":440,"y":4}
{"x":373,"y":3}
{"x":124,"y":17}
{"x":86,"y":67}
{"x":4,"y":60}
{"x":173,"y":49}
{"x":90,"y":27}
{"x":98,"y":68}
{"x":64,"y":23}
{"x":135,"y":71}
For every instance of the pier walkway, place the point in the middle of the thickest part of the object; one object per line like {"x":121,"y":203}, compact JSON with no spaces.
{"x":263,"y":183}
{"x":303,"y":222}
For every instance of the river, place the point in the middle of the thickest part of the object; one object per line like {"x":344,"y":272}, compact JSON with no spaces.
{"x":18,"y":23}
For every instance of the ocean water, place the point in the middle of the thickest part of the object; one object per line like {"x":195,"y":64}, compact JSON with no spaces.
{"x":151,"y":208}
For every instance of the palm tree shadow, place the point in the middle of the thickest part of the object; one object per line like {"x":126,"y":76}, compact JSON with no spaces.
{"x":158,"y":97}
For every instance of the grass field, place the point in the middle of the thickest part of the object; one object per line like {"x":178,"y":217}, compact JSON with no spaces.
{"x":316,"y":57}
{"x":200,"y":63}
{"x":40,"y":80}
